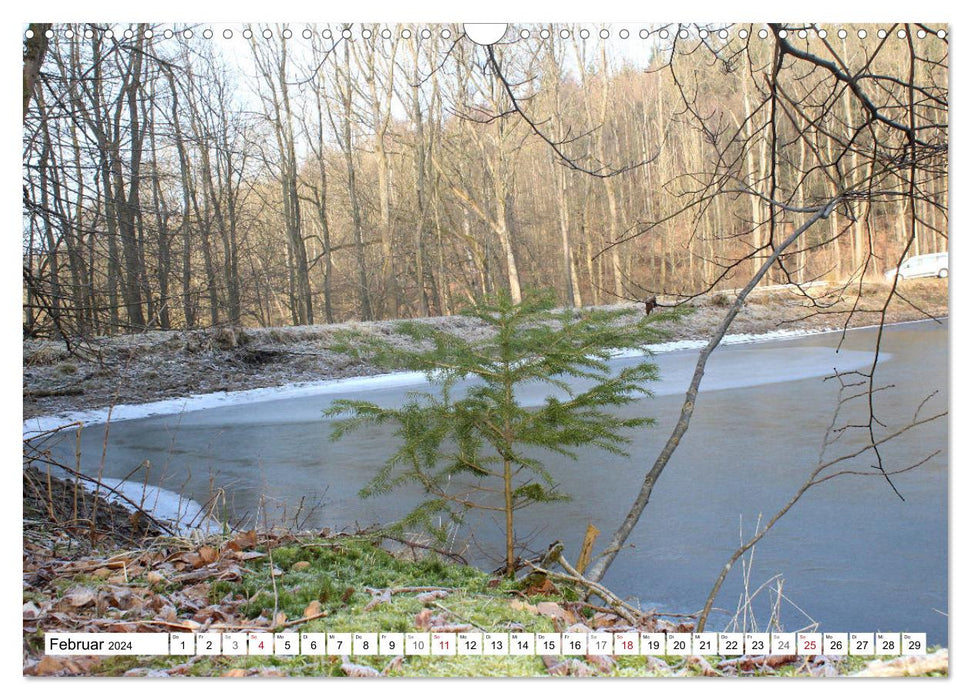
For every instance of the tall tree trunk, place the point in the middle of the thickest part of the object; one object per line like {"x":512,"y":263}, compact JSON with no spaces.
{"x":755,"y":204}
{"x":34,"y":50}
{"x":185,"y":174}
{"x":347,"y":146}
{"x":127,"y":202}
{"x":273,"y":70}
{"x":381,"y":114}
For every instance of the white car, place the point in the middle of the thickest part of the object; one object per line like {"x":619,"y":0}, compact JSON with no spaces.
{"x":930,"y":265}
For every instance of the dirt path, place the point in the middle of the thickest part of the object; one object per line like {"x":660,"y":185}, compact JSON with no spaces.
{"x":167,"y":364}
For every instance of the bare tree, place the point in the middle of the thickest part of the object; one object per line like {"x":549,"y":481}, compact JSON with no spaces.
{"x":901,"y":152}
{"x":344,"y":132}
{"x":34,"y":49}
{"x":272,"y":61}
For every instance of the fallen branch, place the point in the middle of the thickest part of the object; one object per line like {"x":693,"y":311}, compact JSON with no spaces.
{"x":458,"y":617}
{"x":624,"y":610}
{"x":431,"y":548}
{"x":907,"y":666}
{"x":175,"y":625}
{"x":300,"y":621}
{"x":381,"y":596}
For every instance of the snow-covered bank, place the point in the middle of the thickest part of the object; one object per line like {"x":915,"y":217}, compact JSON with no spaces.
{"x":199,"y":402}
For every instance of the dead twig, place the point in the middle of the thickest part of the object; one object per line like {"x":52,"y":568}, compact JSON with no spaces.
{"x":300,"y":621}
{"x":624,"y":610}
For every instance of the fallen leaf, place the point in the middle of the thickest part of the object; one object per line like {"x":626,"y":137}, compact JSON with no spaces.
{"x":244,"y":540}
{"x":191,"y":558}
{"x":119,"y":597}
{"x":203,"y":616}
{"x":569,"y":667}
{"x":47,"y":666}
{"x":300,"y":566}
{"x":359,"y":671}
{"x":553,"y":610}
{"x":601,"y":619}
{"x":246,"y":556}
{"x":654,"y":664}
{"x":231,"y":573}
{"x":423,"y":619}
{"x":313,"y":609}
{"x":518,"y":604}
{"x":180,"y":670}
{"x":544,"y":588}
{"x":62,"y":665}
{"x":702,"y":663}
{"x":198,"y":590}
{"x":394,"y":665}
{"x":79,"y":597}
{"x":207,"y":555}
{"x":234,"y":673}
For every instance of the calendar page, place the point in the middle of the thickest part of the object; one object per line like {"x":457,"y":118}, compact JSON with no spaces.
{"x":526,"y":349}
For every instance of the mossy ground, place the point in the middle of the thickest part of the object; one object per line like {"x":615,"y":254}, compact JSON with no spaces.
{"x":334,"y":575}
{"x":338,"y":576}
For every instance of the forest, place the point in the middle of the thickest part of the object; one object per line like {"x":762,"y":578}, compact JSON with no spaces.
{"x":190,"y":177}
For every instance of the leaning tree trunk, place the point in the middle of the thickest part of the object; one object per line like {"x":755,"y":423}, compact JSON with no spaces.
{"x":600,"y":567}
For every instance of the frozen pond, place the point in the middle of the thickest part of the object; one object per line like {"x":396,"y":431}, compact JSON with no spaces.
{"x":851,"y":554}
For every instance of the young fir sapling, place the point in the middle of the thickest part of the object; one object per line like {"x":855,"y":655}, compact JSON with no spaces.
{"x":474,"y":447}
